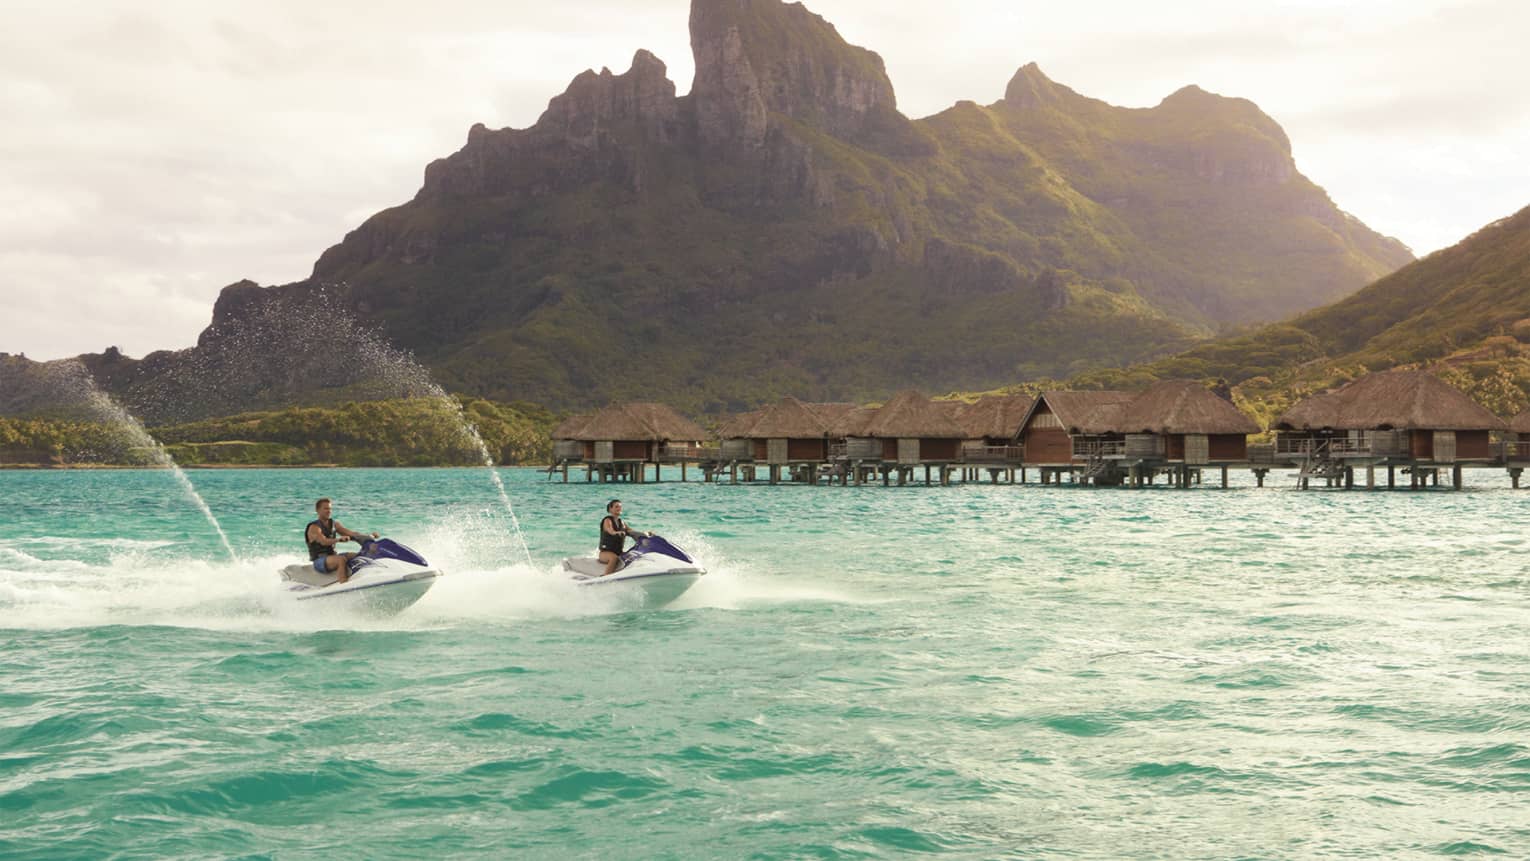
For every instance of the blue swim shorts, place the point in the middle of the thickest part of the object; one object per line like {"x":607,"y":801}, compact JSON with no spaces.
{"x":318,"y":565}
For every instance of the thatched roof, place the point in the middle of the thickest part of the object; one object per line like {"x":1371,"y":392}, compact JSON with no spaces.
{"x":570,"y":426}
{"x":1397,"y":400}
{"x":994,"y":416}
{"x":1180,"y":407}
{"x":910,"y":414}
{"x":789,"y":419}
{"x":1081,"y":412}
{"x":737,"y":426}
{"x":850,"y":422}
{"x":834,"y":415}
{"x":1520,"y":423}
{"x":647,"y":422}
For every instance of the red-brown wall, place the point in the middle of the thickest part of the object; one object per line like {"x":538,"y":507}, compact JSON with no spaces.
{"x":939,"y":449}
{"x":1421,"y":444}
{"x":805,"y":449}
{"x":1174,"y":446}
{"x":624,"y":449}
{"x":1228,"y":446}
{"x":1048,"y":445}
{"x":1473,"y":445}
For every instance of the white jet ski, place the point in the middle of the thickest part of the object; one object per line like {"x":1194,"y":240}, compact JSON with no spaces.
{"x":386,"y":577}
{"x":660,"y":571}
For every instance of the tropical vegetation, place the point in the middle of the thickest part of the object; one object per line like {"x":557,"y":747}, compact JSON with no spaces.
{"x":405,"y":432}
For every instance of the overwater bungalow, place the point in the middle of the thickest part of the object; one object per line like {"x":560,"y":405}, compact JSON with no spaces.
{"x":992,"y":425}
{"x":1062,"y":430}
{"x":790,"y":435}
{"x":1408,"y":419}
{"x":907,"y":431}
{"x":567,"y":448}
{"x":1178,"y":426}
{"x":624,"y":439}
{"x":735,"y":447}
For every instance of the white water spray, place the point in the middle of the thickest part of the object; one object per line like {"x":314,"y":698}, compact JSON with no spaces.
{"x":488,"y":461}
{"x":111,"y":412}
{"x":413,"y":380}
{"x":274,"y":341}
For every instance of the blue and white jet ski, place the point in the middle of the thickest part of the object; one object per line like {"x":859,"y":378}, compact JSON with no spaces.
{"x":386,"y":577}
{"x":657,"y":569}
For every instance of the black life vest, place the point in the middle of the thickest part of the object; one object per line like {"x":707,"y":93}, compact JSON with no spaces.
{"x":611,"y":542}
{"x":315,"y":549}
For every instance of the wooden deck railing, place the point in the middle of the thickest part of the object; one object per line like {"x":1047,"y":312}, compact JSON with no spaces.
{"x":973,"y":453}
{"x":1301,"y":446}
{"x":1377,"y":444}
{"x":1087,"y":448}
{"x":677,"y":451}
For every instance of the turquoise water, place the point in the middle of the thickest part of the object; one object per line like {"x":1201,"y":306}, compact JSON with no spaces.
{"x":972,"y":671}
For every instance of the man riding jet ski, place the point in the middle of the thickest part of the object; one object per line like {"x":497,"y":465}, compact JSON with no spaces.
{"x":383,"y":578}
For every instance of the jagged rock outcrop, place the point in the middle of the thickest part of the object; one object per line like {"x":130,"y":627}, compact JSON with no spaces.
{"x":597,"y":109}
{"x":590,"y":132}
{"x":235,"y":303}
{"x":755,"y":58}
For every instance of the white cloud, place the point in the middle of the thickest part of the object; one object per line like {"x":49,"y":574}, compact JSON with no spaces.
{"x":156,"y":152}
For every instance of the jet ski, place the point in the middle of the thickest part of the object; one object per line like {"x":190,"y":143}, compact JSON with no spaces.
{"x":657,"y":569}
{"x":386,"y":577}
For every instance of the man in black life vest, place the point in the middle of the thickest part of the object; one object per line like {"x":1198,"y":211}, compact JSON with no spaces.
{"x":322,"y":535}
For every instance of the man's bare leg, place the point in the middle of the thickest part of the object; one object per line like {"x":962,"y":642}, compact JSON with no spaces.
{"x":340,"y":563}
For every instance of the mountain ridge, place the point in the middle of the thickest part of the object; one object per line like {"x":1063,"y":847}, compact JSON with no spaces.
{"x":1462,"y":312}
{"x":782,"y":228}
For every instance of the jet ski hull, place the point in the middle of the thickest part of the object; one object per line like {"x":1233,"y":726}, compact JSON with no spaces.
{"x":378,"y":587}
{"x":655,"y":569}
{"x":657,"y":587}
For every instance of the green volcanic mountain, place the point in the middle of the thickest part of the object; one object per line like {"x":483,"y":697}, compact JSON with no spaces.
{"x":783,"y":228}
{"x":1464,"y":312}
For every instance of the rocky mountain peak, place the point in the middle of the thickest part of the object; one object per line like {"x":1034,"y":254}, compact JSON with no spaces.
{"x":1227,"y":139}
{"x":1190,"y":105}
{"x":234,"y":303}
{"x":644,"y":95}
{"x":1031,"y":88}
{"x":755,"y":58}
{"x":595,"y":122}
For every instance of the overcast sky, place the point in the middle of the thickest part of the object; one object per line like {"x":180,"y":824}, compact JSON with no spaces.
{"x":154,"y":152}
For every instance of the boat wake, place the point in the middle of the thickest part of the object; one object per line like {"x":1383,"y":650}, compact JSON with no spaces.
{"x":141,"y":584}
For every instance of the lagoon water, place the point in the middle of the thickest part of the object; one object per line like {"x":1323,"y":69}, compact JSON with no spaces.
{"x":972,"y":671}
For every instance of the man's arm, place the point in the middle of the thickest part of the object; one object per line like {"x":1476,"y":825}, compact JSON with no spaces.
{"x":317,"y":536}
{"x":341,"y":530}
